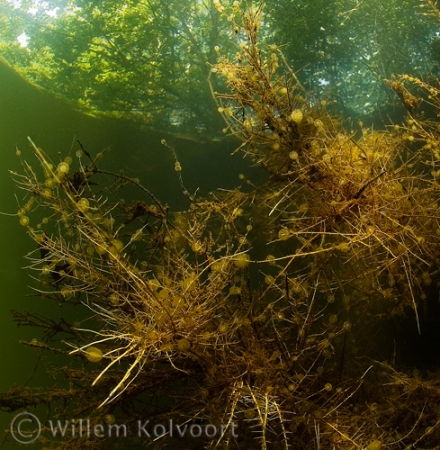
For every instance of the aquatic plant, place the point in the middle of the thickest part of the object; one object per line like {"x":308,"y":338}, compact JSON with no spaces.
{"x":250,"y":309}
{"x":365,"y":203}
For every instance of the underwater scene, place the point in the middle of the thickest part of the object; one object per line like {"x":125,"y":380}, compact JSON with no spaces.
{"x":221,"y":224}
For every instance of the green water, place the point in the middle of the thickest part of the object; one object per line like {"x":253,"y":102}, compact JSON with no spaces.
{"x":53,"y":125}
{"x":342,"y":52}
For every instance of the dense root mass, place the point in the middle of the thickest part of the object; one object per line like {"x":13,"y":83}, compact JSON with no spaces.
{"x":253,"y":311}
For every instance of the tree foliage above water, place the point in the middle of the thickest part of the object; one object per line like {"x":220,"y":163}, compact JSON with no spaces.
{"x":354,"y":45}
{"x":149,"y":60}
{"x":146,"y":61}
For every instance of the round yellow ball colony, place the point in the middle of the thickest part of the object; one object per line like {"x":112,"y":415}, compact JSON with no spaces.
{"x":178,"y":302}
{"x":109,"y":419}
{"x":137,"y":235}
{"x":114,"y":299}
{"x":344,"y":247}
{"x":46,"y":193}
{"x":222,"y":328}
{"x":66,"y":292}
{"x":235,"y":290}
{"x":283,"y":234}
{"x":83,"y":205}
{"x":190,"y":283}
{"x":327,"y":158}
{"x":375,"y":445}
{"x":242,"y":260}
{"x":167,"y":347}
{"x":269,"y":279}
{"x":228,"y":111}
{"x":249,"y":414}
{"x":50,"y":183}
{"x":296,"y":116}
{"x":248,"y":125}
{"x":183,"y":345}
{"x":118,"y":245}
{"x":24,"y":220}
{"x":93,"y":354}
{"x":197,"y":247}
{"x":222,"y":266}
{"x":303,"y":208}
{"x":63,"y":167}
{"x":237,"y":212}
{"x":293,"y":155}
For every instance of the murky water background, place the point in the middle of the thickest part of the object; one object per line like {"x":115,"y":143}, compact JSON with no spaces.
{"x":53,"y":125}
